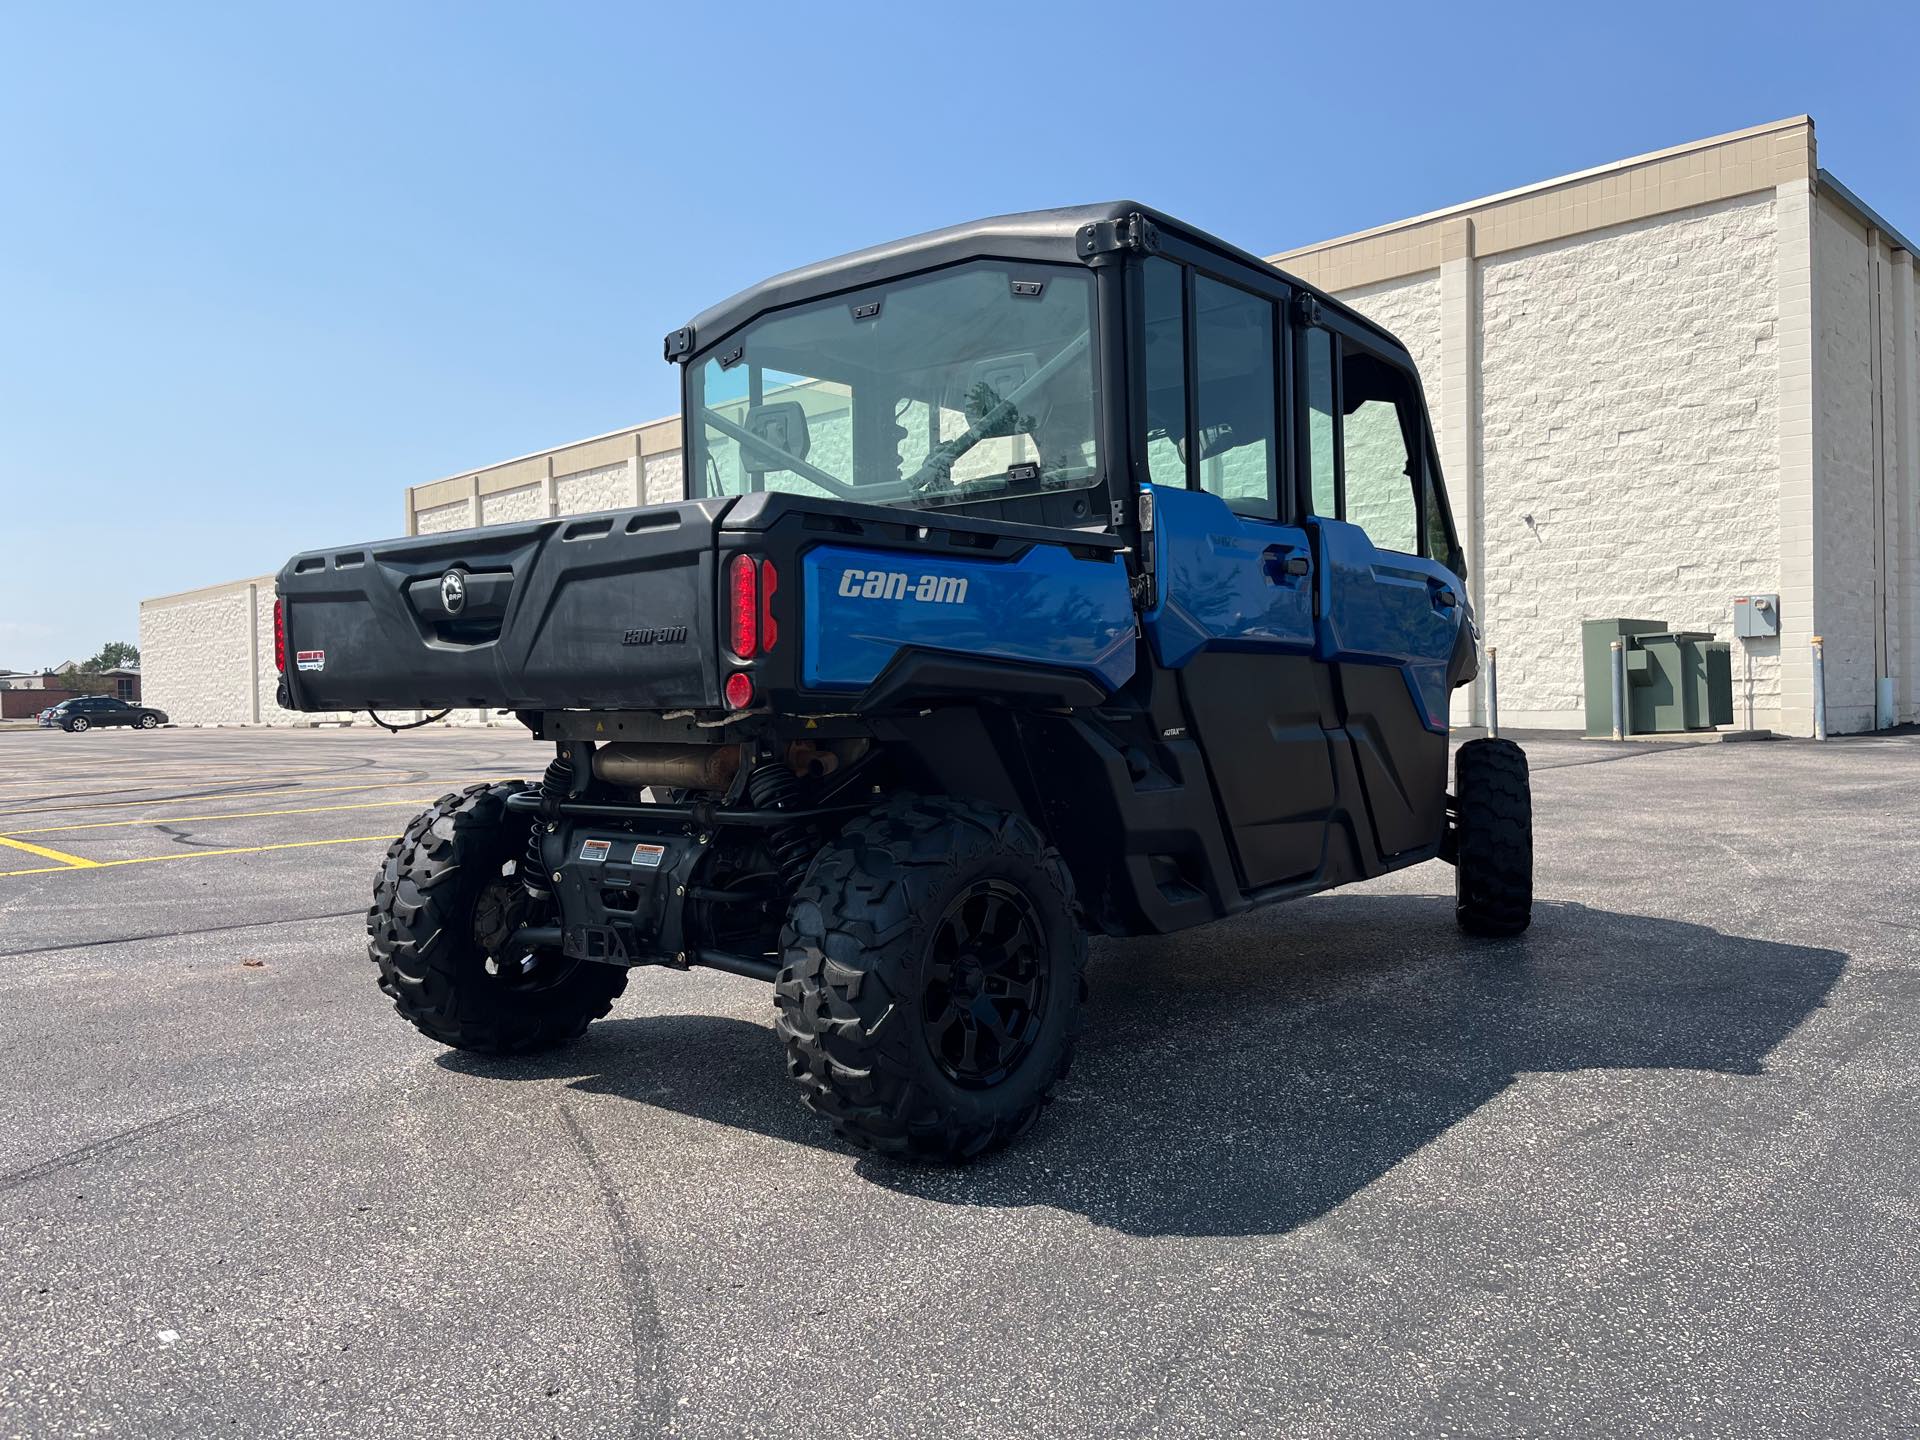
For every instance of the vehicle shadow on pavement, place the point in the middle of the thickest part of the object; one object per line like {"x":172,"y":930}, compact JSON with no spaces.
{"x":1248,"y":1077}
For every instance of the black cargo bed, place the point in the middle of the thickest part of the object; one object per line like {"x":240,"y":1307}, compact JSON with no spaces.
{"x":608,"y":611}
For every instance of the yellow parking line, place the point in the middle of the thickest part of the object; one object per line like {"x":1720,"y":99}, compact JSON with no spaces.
{"x":192,"y":855}
{"x":187,"y":775}
{"x":120,"y":784}
{"x":229,"y":815}
{"x":67,"y":862}
{"x":290,"y":792}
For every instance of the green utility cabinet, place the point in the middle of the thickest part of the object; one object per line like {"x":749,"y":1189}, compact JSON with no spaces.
{"x":1677,"y":680}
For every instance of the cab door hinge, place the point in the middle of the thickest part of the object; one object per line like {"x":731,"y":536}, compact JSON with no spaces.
{"x":1130,"y":232}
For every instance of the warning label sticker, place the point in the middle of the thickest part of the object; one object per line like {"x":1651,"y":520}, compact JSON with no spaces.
{"x":595,"y":849}
{"x":648,"y":856}
{"x":310,"y":659}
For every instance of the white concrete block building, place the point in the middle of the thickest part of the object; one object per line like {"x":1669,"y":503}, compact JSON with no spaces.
{"x":1656,"y":385}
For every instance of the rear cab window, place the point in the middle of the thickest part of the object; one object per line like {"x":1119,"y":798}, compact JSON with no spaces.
{"x":971,"y":383}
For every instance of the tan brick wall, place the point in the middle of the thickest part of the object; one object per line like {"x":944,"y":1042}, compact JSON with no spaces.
{"x":524,"y":502}
{"x":1629,"y":444}
{"x":437,"y":519}
{"x":661,"y":479}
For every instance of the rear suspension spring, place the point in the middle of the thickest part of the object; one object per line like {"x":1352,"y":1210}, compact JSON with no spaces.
{"x":772,"y":786}
{"x":554,"y":786}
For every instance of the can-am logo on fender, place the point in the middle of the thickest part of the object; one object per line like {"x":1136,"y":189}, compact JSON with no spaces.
{"x":898,"y":585}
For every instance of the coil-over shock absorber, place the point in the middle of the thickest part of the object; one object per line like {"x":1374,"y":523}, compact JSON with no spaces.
{"x":554,"y":787}
{"x":772,"y":786}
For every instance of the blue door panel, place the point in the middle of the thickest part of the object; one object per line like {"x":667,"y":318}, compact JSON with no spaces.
{"x":1046,"y":607}
{"x":1223,"y":580}
{"x":1379,"y":607}
{"x":1233,"y":616}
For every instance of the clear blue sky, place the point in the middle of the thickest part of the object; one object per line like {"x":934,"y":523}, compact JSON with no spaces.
{"x":261,"y":267}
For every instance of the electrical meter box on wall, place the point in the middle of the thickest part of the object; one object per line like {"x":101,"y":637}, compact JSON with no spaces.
{"x":1756,"y":617}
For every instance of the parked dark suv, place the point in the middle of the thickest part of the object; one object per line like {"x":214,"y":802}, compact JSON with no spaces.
{"x":84,"y":712}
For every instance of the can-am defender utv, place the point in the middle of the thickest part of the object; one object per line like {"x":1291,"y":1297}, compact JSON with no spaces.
{"x":1064,"y":571}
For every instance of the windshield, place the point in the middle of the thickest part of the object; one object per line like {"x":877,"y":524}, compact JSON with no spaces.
{"x":970,"y":383}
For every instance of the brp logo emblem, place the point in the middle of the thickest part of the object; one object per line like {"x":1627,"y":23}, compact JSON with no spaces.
{"x":453,"y":592}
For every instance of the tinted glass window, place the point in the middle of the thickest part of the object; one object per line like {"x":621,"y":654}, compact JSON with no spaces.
{"x":1380,"y":443}
{"x":1318,"y":372}
{"x":1166,"y":371}
{"x":1234,"y":412}
{"x":970,"y":383}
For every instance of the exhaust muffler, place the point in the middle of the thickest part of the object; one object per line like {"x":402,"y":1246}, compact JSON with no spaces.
{"x":633,"y":764}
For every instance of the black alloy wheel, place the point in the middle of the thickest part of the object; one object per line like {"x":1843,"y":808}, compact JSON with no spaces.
{"x":986,"y":984}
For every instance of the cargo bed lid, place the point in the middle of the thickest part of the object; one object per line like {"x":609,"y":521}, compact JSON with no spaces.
{"x":604,"y":611}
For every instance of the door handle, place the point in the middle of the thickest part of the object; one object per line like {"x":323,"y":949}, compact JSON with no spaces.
{"x":1443,"y":596}
{"x":1282,"y":564}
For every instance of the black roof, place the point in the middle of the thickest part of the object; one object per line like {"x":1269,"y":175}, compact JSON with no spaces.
{"x":1052,"y":235}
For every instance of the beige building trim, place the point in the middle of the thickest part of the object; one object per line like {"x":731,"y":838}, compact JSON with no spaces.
{"x":1906,"y":487}
{"x":1721,"y":167}
{"x":202,"y":592}
{"x":591,"y":454}
{"x":253,"y":650}
{"x":1459,"y":437}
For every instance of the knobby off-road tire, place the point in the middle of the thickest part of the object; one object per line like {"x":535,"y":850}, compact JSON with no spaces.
{"x":922,"y":921}
{"x":448,"y":895}
{"x":1493,"y":847}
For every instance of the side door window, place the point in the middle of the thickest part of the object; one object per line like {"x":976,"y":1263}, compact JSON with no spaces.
{"x":1381,"y":451}
{"x":1235,"y":419}
{"x":1164,"y":343}
{"x":1320,"y":428}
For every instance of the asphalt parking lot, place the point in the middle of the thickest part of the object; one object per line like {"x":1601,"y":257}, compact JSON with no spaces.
{"x":1327,"y":1170}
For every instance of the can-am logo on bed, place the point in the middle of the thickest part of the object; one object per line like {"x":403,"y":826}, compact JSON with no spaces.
{"x":898,"y":585}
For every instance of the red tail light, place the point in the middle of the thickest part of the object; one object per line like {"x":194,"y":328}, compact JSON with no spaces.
{"x":739,"y":690}
{"x":743,"y":606}
{"x":751,"y":583}
{"x":769,"y":582}
{"x":279,"y":637}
